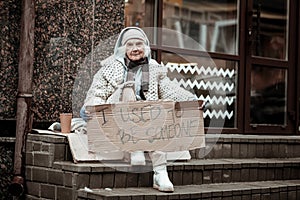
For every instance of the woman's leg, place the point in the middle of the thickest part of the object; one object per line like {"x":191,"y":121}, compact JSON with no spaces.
{"x":161,"y":179}
{"x":137,"y":158}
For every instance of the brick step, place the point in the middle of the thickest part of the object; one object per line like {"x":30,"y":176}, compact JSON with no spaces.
{"x":51,"y":173}
{"x":99,"y":175}
{"x":277,"y":190}
{"x":44,"y":149}
{"x":248,"y":146}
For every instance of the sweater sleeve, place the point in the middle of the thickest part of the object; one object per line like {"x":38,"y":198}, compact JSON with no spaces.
{"x":168,"y":90}
{"x":97,"y":93}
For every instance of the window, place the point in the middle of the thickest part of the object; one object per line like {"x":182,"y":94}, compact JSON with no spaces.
{"x":199,"y":27}
{"x":268,"y":96}
{"x":269,"y":29}
{"x":213,"y":24}
{"x":211,"y":80}
{"x":238,"y":56}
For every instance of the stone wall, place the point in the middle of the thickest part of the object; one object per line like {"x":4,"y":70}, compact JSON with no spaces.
{"x":10,"y":15}
{"x":6,"y":166}
{"x":71,"y":37}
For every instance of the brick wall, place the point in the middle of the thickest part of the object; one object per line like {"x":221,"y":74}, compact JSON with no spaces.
{"x":45,"y":179}
{"x":52,"y":174}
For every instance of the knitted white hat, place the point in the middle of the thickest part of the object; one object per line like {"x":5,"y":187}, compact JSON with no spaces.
{"x":133,"y":34}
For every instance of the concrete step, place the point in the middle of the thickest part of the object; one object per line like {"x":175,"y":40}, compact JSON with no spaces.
{"x":38,"y":146}
{"x":217,"y":146}
{"x":248,"y":146}
{"x":52,"y":174}
{"x":273,"y":190}
{"x":196,"y":171}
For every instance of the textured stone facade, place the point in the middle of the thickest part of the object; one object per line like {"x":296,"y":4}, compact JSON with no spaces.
{"x":10,"y":16}
{"x":69,"y":43}
{"x":6,"y":166}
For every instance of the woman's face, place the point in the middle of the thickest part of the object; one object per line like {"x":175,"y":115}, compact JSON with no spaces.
{"x":135,"y":49}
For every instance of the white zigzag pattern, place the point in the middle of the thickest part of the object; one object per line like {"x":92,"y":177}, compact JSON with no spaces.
{"x":192,"y":68}
{"x":214,"y":99}
{"x":204,"y":85}
{"x":218,"y":114}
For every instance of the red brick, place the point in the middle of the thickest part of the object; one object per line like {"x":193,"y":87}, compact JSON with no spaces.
{"x":55,"y":177}
{"x":40,"y":174}
{"x":68,"y":179}
{"x":33,"y":188}
{"x":145,"y":179}
{"x":132,"y":180}
{"x":64,"y":193}
{"x":96,"y":180}
{"x":108,"y":180}
{"x":48,"y":191}
{"x":42,"y":159}
{"x":197,"y":177}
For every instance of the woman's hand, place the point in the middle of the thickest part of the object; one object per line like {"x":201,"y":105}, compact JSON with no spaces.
{"x":84,"y":114}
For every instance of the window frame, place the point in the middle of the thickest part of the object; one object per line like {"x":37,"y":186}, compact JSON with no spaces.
{"x":287,"y":64}
{"x":245,"y":61}
{"x":158,"y":48}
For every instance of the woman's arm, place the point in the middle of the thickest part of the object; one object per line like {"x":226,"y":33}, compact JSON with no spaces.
{"x":97,"y":94}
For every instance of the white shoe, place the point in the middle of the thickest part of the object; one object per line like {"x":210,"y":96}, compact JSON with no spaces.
{"x":161,"y":179}
{"x":137,"y":158}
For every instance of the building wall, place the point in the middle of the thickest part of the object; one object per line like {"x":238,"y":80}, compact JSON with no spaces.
{"x":6,"y":166}
{"x":10,"y":15}
{"x":71,"y":37}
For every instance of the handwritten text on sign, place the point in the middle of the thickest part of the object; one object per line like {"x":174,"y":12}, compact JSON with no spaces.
{"x":148,"y":126}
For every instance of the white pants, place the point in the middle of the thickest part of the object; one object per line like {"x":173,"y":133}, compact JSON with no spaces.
{"x":158,"y":158}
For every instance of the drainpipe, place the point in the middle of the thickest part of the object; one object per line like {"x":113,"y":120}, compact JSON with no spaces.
{"x":24,"y":97}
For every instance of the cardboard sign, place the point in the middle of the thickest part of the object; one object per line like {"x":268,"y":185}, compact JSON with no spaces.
{"x":146,"y":125}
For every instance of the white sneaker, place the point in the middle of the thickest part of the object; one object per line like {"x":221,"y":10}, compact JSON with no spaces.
{"x":137,"y":158}
{"x":161,"y":180}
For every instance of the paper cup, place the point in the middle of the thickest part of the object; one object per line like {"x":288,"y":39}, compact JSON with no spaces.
{"x":65,"y":122}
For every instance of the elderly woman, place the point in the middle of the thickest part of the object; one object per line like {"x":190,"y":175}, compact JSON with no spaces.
{"x":132,"y":63}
